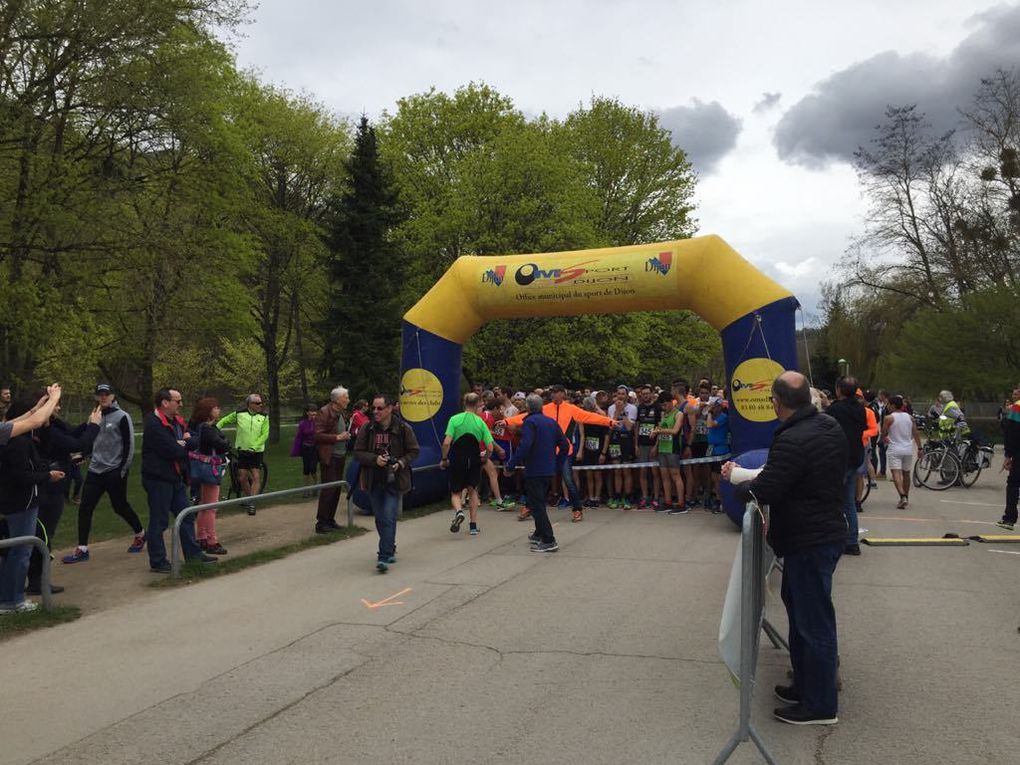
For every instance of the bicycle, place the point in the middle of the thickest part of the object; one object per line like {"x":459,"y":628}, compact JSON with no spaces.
{"x":937,"y":468}
{"x":234,"y":488}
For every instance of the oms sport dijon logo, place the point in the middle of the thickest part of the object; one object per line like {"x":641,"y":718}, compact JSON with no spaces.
{"x":585,"y":272}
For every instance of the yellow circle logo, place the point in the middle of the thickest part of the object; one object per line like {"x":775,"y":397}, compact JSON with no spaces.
{"x":751,"y":385}
{"x":421,"y":395}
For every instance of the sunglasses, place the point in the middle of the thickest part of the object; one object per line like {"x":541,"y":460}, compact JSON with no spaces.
{"x":380,"y":408}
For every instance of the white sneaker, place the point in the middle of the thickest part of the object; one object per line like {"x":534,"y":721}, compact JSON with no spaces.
{"x":25,"y":606}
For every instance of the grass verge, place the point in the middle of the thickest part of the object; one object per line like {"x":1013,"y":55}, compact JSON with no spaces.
{"x":18,"y":623}
{"x":193,"y":572}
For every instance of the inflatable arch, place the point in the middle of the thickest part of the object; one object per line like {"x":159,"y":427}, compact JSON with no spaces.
{"x":753,"y":314}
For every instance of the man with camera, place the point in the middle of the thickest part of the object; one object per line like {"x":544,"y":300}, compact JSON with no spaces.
{"x":385,"y":449}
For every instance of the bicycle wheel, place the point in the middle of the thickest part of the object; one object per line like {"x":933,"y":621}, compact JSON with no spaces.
{"x":234,"y":490}
{"x":970,"y":468}
{"x":866,"y":491}
{"x":263,"y":478}
{"x":937,"y":470}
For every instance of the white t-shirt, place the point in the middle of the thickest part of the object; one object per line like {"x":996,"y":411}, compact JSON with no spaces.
{"x":629,"y":411}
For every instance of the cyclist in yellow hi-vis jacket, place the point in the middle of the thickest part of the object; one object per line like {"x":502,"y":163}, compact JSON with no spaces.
{"x":250,"y":442}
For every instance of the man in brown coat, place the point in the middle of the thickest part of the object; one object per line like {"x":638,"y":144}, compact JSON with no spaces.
{"x":385,"y":448}
{"x":331,"y":437}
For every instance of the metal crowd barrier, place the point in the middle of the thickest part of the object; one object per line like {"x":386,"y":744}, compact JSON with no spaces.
{"x":757,"y":560}
{"x":44,"y":579}
{"x":175,"y":536}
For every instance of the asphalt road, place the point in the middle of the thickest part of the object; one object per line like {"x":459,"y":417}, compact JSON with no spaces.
{"x":475,"y":650}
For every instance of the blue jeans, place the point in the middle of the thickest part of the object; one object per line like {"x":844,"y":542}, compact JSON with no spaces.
{"x":15,"y":565}
{"x":567,"y":473}
{"x":850,"y":507}
{"x":167,"y":499}
{"x":807,"y":595}
{"x":385,"y":503}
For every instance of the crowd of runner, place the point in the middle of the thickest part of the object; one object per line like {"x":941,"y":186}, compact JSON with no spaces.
{"x":641,"y":447}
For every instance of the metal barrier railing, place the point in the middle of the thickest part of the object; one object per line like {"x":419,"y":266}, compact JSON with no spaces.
{"x":44,"y":577}
{"x":756,"y":560}
{"x":175,"y":536}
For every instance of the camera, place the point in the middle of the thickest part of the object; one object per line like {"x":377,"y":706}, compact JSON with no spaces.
{"x":392,"y":466}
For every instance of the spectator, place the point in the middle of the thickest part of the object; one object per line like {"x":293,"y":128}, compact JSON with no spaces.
{"x":56,"y":442}
{"x":331,"y":437}
{"x":359,"y":417}
{"x":1011,"y":449}
{"x":849,"y":412}
{"x":250,"y":442}
{"x":5,"y":402}
{"x":900,"y":436}
{"x":879,"y":404}
{"x":304,"y":447}
{"x":22,"y":473}
{"x":164,"y":472}
{"x":467,"y":444}
{"x":208,"y":462}
{"x":803,"y":484}
{"x":543,"y":444}
{"x":112,"y":454}
{"x":34,"y":418}
{"x":385,"y":449}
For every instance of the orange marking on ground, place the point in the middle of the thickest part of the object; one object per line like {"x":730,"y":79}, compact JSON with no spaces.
{"x":387,"y":601}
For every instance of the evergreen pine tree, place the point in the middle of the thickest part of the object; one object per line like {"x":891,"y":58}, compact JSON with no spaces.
{"x":361,"y":327}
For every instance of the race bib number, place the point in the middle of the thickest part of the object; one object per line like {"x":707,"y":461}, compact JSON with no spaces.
{"x":614,"y":451}
{"x":665,"y":438}
{"x":499,"y":430}
{"x":701,"y":428}
{"x":645,"y":429}
{"x":592,"y":443}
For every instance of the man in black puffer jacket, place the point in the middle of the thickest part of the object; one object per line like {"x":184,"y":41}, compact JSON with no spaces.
{"x":802,"y":482}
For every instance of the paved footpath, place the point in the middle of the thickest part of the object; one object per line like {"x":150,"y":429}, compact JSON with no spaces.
{"x":487,"y":653}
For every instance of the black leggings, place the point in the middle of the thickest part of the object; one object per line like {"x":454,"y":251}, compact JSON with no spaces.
{"x":51,"y":507}
{"x":96,"y":484}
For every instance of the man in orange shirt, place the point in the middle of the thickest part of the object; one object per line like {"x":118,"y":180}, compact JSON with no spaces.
{"x":566,"y":416}
{"x":867,"y":471}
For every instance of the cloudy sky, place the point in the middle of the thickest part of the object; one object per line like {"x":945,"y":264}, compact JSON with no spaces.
{"x":768,"y":99}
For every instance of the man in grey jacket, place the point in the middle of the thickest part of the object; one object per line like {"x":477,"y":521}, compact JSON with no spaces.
{"x":112,"y":453}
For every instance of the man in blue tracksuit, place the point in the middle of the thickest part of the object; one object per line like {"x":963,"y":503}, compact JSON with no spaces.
{"x":541,"y":440}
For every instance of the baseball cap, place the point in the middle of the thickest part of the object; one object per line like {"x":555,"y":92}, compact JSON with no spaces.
{"x":518,"y":394}
{"x":104,"y":388}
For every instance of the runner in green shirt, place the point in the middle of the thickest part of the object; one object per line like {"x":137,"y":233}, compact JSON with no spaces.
{"x":669,"y":451}
{"x":467,"y":444}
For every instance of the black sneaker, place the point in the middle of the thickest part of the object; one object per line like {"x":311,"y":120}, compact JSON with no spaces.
{"x":799,"y":715}
{"x":534,"y":537}
{"x":1007,"y":525}
{"x":36,"y":589}
{"x":322,"y":529}
{"x":852,"y":550}
{"x":250,"y":508}
{"x":161,"y":568}
{"x":545,"y":547}
{"x":458,"y":519}
{"x":678,"y":510}
{"x":787,"y":694}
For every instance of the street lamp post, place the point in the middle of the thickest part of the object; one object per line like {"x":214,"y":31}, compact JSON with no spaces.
{"x":844,"y":368}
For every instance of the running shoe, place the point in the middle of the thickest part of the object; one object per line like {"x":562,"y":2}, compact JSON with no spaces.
{"x":1004,"y":524}
{"x":139,"y":544}
{"x":563,"y":504}
{"x":665,"y":507}
{"x":382,"y":567}
{"x":545,"y":547}
{"x":524,"y":514}
{"x":78,"y":556}
{"x":627,"y":505}
{"x":534,"y":537}
{"x":678,"y":510}
{"x":643,"y":503}
{"x":458,"y":519}
{"x":577,"y":517}
{"x":473,"y":529}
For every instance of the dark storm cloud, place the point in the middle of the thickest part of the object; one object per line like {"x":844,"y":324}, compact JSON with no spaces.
{"x":842,"y":112}
{"x":705,"y":131}
{"x":768,"y":101}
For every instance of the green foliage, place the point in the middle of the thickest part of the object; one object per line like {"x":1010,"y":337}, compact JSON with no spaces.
{"x":973,"y":349}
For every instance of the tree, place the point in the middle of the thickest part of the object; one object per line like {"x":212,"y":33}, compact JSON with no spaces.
{"x":297,"y":152}
{"x":644,"y":185}
{"x":361,"y":327}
